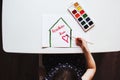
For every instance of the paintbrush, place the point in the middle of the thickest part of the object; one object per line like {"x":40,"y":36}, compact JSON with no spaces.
{"x":75,"y":38}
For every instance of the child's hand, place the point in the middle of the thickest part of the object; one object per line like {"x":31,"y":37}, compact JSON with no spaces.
{"x":81,"y":42}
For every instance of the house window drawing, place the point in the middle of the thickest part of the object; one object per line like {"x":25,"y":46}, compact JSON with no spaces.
{"x":58,"y":34}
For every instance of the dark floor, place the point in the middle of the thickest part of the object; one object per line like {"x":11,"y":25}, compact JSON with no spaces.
{"x":25,"y":66}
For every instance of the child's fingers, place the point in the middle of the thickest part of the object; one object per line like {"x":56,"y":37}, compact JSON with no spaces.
{"x":78,"y":41}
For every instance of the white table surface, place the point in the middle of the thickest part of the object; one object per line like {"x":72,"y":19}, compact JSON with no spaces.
{"x":22,"y":23}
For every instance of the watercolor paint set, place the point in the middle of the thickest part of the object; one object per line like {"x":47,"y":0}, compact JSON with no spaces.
{"x":81,"y":16}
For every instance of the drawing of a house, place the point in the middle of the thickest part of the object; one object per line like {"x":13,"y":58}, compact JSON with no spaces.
{"x":58,"y":34}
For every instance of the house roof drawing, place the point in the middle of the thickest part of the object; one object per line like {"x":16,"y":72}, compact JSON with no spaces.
{"x":58,"y":21}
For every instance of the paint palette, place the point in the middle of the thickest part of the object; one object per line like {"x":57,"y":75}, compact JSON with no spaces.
{"x":81,"y":17}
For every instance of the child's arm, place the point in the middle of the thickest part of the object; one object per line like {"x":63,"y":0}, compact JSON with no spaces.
{"x":91,"y":66}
